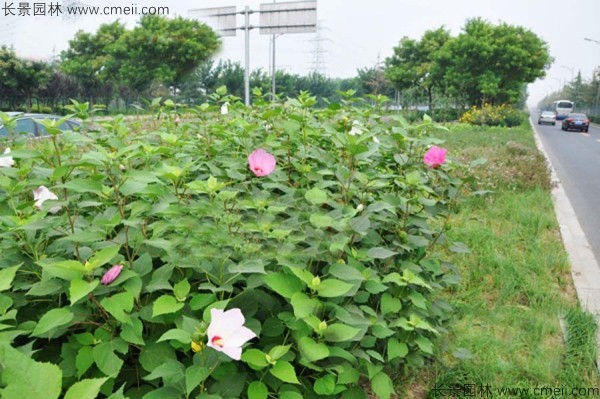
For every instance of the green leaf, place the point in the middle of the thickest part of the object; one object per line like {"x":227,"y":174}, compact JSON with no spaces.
{"x":194,"y":376}
{"x":325,"y":385}
{"x":6,"y":277}
{"x":424,"y":344}
{"x":178,"y":335}
{"x":255,"y":358}
{"x":316,"y":196}
{"x":303,"y":305}
{"x":106,"y":360}
{"x":382,"y":385}
{"x":24,"y":378}
{"x":52,"y":320}
{"x":132,"y":332}
{"x":332,"y":288}
{"x":166,"y":304}
{"x":345,"y":272}
{"x":360,"y":224}
{"x":80,"y":288}
{"x":312,"y":350}
{"x":380,"y":253}
{"x":84,"y":360}
{"x":396,"y":349}
{"x":389,"y":304}
{"x":102,"y":257}
{"x":279,"y":351}
{"x":257,"y":390}
{"x":340,"y":332}
{"x":248,"y":266}
{"x":181,"y":289}
{"x":171,"y":372}
{"x":118,"y":304}
{"x":83,"y":186}
{"x":321,"y":221}
{"x":86,"y":389}
{"x":67,"y":270}
{"x":285,"y":372}
{"x":285,"y":285}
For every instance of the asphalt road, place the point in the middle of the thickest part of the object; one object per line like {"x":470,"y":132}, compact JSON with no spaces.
{"x":576,"y":159}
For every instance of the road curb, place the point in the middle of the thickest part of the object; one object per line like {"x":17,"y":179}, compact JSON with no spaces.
{"x":584,"y":266}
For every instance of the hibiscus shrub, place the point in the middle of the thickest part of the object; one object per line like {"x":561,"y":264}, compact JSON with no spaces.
{"x":223,"y":252}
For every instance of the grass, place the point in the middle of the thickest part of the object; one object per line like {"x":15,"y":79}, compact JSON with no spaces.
{"x":516,"y":285}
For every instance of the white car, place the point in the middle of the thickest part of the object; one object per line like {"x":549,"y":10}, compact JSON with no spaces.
{"x":547,"y":117}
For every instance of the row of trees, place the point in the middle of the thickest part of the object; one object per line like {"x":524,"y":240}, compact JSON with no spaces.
{"x":585,"y":93}
{"x":485,"y":63}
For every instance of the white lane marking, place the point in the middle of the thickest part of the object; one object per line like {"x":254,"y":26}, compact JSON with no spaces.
{"x":586,"y":134}
{"x":598,"y":140}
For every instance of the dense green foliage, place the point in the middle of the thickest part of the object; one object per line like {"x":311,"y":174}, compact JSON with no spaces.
{"x":485,"y":63}
{"x":328,"y":257}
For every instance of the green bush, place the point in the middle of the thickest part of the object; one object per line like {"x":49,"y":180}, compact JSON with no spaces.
{"x":328,"y":258}
{"x":493,"y":115}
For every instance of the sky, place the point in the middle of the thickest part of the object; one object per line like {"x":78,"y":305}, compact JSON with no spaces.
{"x":352,"y":34}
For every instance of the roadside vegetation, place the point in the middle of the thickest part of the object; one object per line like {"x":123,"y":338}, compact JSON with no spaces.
{"x":517,"y":323}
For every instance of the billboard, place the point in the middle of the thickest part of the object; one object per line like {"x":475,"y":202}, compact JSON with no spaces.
{"x":289,"y":17}
{"x":221,"y":19}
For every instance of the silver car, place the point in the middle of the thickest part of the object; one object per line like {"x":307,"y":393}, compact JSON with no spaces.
{"x":547,"y":117}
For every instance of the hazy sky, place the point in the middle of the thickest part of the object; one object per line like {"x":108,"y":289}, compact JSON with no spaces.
{"x":354,"y":33}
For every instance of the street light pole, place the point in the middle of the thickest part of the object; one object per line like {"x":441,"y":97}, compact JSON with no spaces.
{"x":587,"y":39}
{"x":572,"y":71}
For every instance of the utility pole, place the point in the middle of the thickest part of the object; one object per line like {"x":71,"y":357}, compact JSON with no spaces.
{"x":247,"y":58}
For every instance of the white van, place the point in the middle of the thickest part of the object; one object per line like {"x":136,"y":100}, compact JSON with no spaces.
{"x":562,"y":108}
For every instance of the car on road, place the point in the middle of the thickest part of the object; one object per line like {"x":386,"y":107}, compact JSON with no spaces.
{"x":576,"y":122}
{"x":26,"y":124}
{"x":547,"y":117}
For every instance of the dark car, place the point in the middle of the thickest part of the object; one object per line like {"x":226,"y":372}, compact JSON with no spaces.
{"x":576,"y":122}
{"x":26,"y":124}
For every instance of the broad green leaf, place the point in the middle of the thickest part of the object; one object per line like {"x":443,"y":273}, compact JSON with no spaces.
{"x":396,"y":349}
{"x":194,"y":376}
{"x":106,"y":360}
{"x":312,"y":350}
{"x":86,"y":389}
{"x":279,"y":351}
{"x":52,"y":320}
{"x":67,"y":270}
{"x":6,"y":277}
{"x":303,"y":305}
{"x":360,"y":224}
{"x":248,"y":266}
{"x":332,"y":288}
{"x":84,"y":360}
{"x":325,"y":385}
{"x":340,"y":332}
{"x":132,"y":332}
{"x":285,"y":285}
{"x":171,"y":372}
{"x":321,"y":221}
{"x":345,"y":272}
{"x":181,"y":289}
{"x":316,"y":196}
{"x":83,"y":186}
{"x":285,"y":372}
{"x":255,"y":358}
{"x":118,"y":304}
{"x":424,"y":344}
{"x":24,"y":378}
{"x":382,"y":385}
{"x":389,"y":304}
{"x":257,"y":390}
{"x":178,"y":335}
{"x":80,"y":288}
{"x":102,"y":257}
{"x":166,"y":304}
{"x":380,"y":253}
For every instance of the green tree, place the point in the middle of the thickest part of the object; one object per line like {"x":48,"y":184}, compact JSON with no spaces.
{"x":167,"y":50}
{"x":493,"y":63}
{"x":415,"y":64}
